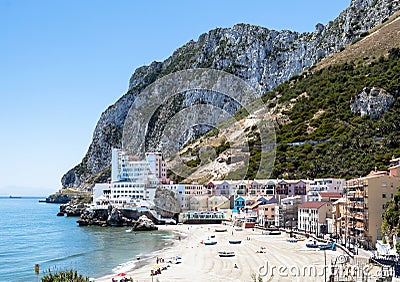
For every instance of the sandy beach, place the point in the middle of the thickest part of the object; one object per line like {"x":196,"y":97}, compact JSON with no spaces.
{"x":279,"y":261}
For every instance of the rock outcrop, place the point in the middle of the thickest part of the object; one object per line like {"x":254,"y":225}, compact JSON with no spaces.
{"x":115,"y":216}
{"x":262,"y":57}
{"x":144,"y":224}
{"x":71,"y":209}
{"x":166,"y":203}
{"x":373,"y":102}
{"x":58,"y":199}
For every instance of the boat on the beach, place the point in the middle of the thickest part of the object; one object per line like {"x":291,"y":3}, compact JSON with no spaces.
{"x":226,"y":254}
{"x":235,"y":241}
{"x":209,"y":242}
{"x":221,"y":230}
{"x":275,"y":232}
{"x":327,"y":246}
{"x":292,"y":240}
{"x":312,"y":244}
{"x":239,"y":229}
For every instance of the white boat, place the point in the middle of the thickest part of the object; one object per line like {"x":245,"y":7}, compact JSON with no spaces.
{"x":209,"y":242}
{"x":226,"y":254}
{"x":235,"y":241}
{"x":129,"y":230}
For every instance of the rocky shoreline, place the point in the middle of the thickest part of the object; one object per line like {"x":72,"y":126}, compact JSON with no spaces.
{"x":108,"y":216}
{"x":115,"y":216}
{"x":58,"y":199}
{"x":71,"y":209}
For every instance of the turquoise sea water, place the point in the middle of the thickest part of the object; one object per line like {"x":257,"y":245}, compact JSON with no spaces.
{"x":31,"y":233}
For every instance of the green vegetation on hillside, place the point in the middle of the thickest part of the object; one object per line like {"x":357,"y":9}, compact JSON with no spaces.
{"x":334,"y":141}
{"x":317,"y":134}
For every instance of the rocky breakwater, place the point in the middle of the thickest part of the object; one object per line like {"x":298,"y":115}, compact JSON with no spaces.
{"x":71,"y":209}
{"x":58,"y":199}
{"x":114,"y":216}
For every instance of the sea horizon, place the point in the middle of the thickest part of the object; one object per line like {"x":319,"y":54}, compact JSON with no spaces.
{"x":32,"y":234}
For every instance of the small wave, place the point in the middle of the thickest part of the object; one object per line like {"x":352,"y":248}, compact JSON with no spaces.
{"x":133,"y":263}
{"x":181,"y":233}
{"x":64,"y":258}
{"x":124,"y":267}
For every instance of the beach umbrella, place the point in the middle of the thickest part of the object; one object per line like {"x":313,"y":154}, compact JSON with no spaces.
{"x":121,"y":274}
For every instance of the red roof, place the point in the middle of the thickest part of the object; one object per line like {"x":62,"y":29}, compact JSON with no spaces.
{"x":312,"y":205}
{"x":330,"y":195}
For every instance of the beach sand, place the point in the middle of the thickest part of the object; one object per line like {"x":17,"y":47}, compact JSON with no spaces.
{"x":281,"y":261}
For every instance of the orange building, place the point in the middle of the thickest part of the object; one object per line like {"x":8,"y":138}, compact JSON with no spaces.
{"x":366,"y":198}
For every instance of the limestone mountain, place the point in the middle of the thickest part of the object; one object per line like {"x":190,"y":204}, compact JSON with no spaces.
{"x":262,"y":57}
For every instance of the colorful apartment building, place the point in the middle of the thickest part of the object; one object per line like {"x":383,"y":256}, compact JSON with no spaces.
{"x":312,"y":217}
{"x":324,"y":185}
{"x":262,"y":187}
{"x":365,"y":202}
{"x":291,"y":187}
{"x":220,"y":188}
{"x":266,"y":214}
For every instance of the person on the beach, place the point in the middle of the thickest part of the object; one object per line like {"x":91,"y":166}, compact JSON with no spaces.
{"x":235,"y":266}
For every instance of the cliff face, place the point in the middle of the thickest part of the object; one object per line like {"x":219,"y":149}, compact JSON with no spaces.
{"x":263,"y":58}
{"x":372,"y":102}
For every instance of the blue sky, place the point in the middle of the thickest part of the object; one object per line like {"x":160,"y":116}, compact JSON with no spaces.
{"x":62,"y":63}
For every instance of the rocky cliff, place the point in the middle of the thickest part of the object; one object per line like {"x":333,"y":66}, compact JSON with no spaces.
{"x":262,"y":57}
{"x":373,"y":102}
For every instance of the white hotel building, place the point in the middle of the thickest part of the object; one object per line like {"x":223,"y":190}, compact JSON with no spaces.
{"x":132,"y":179}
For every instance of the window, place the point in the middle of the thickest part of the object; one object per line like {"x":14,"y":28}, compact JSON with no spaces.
{"x":383,"y":195}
